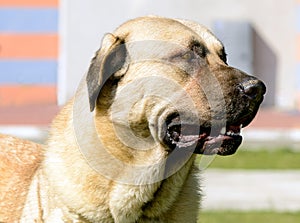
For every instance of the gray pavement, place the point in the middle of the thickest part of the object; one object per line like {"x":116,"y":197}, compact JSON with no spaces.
{"x":30,"y":132}
{"x":251,"y":190}
{"x":271,"y":138}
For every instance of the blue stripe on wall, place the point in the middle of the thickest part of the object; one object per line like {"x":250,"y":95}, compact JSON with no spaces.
{"x":28,"y":72}
{"x":21,"y":20}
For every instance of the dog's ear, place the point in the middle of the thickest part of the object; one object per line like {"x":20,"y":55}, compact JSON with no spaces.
{"x":108,"y":60}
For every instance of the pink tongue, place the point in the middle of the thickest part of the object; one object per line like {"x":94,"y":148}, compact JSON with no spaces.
{"x":189,"y":140}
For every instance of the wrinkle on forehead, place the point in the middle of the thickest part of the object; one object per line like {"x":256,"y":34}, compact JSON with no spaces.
{"x":206,"y":35}
{"x":176,"y":30}
{"x":156,"y":28}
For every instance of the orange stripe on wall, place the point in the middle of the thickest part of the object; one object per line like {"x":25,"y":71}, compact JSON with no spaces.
{"x":19,"y":95}
{"x":29,"y":3}
{"x":41,"y":46}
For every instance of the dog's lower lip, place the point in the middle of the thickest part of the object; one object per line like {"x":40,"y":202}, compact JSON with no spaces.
{"x":225,"y":142}
{"x":221,"y":145}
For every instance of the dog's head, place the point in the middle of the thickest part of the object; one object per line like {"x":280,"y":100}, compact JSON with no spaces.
{"x":168,"y":82}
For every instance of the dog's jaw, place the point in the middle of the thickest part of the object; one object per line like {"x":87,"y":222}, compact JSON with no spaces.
{"x":202,"y":140}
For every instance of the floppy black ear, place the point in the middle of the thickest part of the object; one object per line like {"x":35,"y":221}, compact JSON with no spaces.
{"x":108,"y":60}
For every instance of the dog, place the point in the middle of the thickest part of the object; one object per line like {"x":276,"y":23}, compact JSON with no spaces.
{"x":158,"y":92}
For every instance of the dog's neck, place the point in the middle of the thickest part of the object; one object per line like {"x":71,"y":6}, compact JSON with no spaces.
{"x":75,"y":182}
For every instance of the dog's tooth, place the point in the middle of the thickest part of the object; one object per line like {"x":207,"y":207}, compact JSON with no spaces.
{"x":230,"y":133}
{"x":223,"y":131}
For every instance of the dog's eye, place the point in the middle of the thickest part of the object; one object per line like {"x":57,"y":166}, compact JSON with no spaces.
{"x":188,"y":56}
{"x":200,"y":50}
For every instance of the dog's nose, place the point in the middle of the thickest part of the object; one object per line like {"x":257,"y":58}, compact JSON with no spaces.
{"x":253,"y":89}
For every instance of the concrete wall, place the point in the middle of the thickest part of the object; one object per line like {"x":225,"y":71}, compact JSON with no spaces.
{"x":83,"y":23}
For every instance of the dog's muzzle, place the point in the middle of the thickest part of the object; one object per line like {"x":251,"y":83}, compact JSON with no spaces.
{"x":221,"y":140}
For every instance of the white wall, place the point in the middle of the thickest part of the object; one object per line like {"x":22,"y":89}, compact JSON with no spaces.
{"x":83,"y":23}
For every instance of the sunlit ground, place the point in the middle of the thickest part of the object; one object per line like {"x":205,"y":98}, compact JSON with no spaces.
{"x":281,"y":158}
{"x":248,"y":217}
{"x":278,"y":159}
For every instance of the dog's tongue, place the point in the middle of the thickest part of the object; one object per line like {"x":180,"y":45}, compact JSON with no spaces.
{"x":183,"y":135}
{"x":188,"y":140}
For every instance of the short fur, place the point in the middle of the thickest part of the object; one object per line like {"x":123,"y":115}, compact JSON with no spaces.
{"x":57,"y":183}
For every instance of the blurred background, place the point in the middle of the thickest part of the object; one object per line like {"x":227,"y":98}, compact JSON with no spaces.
{"x":46,"y":47}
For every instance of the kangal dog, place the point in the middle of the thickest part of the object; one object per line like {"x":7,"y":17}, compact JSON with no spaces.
{"x":158,"y":92}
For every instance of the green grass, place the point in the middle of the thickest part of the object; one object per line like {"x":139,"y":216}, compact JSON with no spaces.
{"x":248,"y":217}
{"x":259,"y":159}
{"x":278,"y":159}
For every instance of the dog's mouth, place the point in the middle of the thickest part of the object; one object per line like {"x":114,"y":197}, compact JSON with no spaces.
{"x":203,"y":140}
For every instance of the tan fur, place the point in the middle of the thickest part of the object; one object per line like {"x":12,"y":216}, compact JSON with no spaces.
{"x":19,"y":160}
{"x":91,"y":170}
